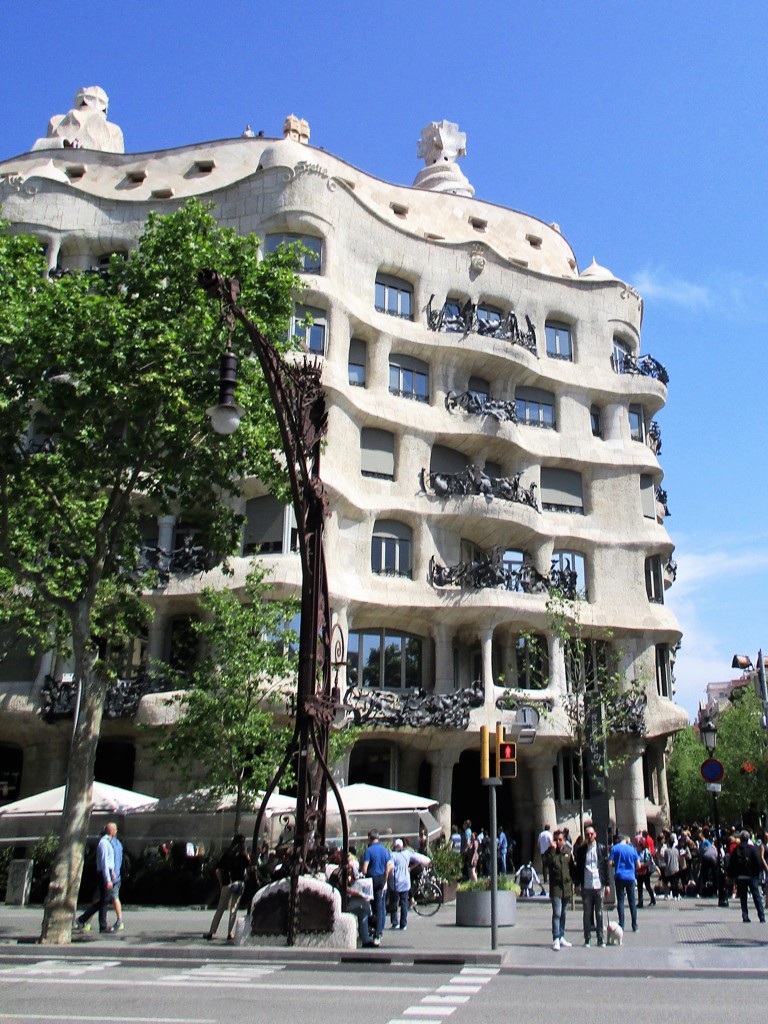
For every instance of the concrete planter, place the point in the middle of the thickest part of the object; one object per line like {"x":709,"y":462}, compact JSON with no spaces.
{"x":448,"y":890}
{"x":473,"y":909}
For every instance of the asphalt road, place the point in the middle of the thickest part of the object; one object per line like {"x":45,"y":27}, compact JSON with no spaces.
{"x":48,"y":989}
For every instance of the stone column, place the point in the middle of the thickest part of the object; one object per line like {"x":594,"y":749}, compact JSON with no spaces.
{"x":442,"y":636}
{"x":486,"y":646}
{"x":630,"y":804}
{"x":544,"y":808}
{"x":442,"y":785}
{"x":165,"y":530}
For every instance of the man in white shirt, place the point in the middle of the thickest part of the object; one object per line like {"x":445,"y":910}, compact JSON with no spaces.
{"x":592,"y":877}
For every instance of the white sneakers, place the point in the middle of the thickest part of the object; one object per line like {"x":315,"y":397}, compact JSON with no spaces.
{"x":559,"y":944}
{"x":556,"y":945}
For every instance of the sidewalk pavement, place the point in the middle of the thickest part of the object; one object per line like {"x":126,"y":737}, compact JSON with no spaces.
{"x":673,"y":938}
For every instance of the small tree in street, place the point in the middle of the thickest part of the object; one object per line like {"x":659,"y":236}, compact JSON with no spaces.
{"x":104,"y":382}
{"x":226,"y":736}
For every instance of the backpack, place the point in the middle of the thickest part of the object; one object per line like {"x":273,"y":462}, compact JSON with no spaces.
{"x":526,"y":876}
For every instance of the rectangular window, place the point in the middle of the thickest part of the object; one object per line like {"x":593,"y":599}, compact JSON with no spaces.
{"x":377,"y":453}
{"x":408,"y":378}
{"x":391,"y":548}
{"x":535,"y":407}
{"x":621,"y":355}
{"x":532,"y":661}
{"x":385,"y":659}
{"x":654,"y":579}
{"x":311,"y":336}
{"x":561,"y":490}
{"x":358,"y":362}
{"x":559,"y":341}
{"x":310,"y":262}
{"x":663,"y":671}
{"x":569,"y":573}
{"x":394,"y":297}
{"x":637,"y":423}
{"x":596,"y":421}
{"x":648,"y":496}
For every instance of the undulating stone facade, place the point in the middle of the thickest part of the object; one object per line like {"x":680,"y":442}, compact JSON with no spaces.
{"x":491,"y":436}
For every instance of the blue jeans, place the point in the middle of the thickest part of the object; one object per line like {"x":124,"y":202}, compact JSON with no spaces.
{"x":379,"y":904}
{"x":626,"y":886}
{"x":403,"y":899}
{"x":559,"y":907}
{"x":745,"y":886}
{"x":361,"y":908}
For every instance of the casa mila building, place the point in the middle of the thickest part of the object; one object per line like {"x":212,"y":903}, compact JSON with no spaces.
{"x":491,"y":441}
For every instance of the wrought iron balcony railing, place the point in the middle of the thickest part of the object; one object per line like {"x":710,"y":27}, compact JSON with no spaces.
{"x":59,"y":696}
{"x":465,"y":320}
{"x":490,"y":571}
{"x":661,"y":498}
{"x":479,"y":405}
{"x":473,"y":480}
{"x":414,"y":709}
{"x":187,"y":559}
{"x":645,"y":366}
{"x":653,"y":437}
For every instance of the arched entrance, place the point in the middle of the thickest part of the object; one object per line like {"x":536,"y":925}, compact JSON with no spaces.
{"x":470,"y":799}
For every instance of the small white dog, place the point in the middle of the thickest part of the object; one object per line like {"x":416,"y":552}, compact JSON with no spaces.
{"x":614,"y":933}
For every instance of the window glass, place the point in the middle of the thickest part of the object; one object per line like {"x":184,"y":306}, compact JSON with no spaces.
{"x":310,"y":261}
{"x":620,"y":353}
{"x":488,"y":319}
{"x":637,"y":423}
{"x":559,"y":341}
{"x":565,"y":563}
{"x":358,"y":361}
{"x":648,"y":496}
{"x":393,"y":296}
{"x":391,"y":548}
{"x":535,"y":407}
{"x":312,"y":336}
{"x":480,"y":388}
{"x":387,"y":656}
{"x":532,"y":660}
{"x":663,"y":672}
{"x":409,"y":378}
{"x":654,"y":579}
{"x":263,"y":533}
{"x":596,"y":421}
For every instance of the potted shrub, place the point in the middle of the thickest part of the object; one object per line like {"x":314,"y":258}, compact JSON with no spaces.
{"x":473,"y":903}
{"x":446,"y":864}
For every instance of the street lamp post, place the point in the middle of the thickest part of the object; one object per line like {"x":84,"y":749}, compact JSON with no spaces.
{"x":708,"y":732}
{"x":299,"y":404}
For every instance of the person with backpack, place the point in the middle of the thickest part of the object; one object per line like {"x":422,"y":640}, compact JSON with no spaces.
{"x":744,"y":867}
{"x":644,"y":871}
{"x":230,"y":874}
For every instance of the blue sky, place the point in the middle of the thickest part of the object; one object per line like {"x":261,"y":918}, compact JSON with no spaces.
{"x":639,"y":128}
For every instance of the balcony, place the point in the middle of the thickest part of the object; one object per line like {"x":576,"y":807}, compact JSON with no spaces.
{"x":645,"y":366}
{"x":463,"y":319}
{"x":474,"y":481}
{"x":475,"y":404}
{"x":490,"y":571}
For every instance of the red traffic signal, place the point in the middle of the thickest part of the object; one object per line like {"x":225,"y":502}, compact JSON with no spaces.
{"x":506,"y":757}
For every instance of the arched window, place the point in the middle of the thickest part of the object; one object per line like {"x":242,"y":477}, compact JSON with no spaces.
{"x":385,"y":659}
{"x":377,"y":453}
{"x":394,"y":296}
{"x":532,"y":661}
{"x":559,"y":344}
{"x":408,"y":377}
{"x":357,"y":365}
{"x":535,"y":407}
{"x":391,"y":548}
{"x":569,"y":776}
{"x":312,"y":336}
{"x":310,"y":261}
{"x":447,"y":460}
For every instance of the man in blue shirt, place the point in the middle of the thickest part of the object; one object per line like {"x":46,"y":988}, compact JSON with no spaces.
{"x":624,"y":858}
{"x":377,"y":865}
{"x":105,"y":872}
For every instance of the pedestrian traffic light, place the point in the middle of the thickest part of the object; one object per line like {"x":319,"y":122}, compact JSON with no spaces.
{"x":506,"y":755}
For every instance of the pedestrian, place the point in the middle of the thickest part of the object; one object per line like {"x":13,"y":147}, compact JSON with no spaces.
{"x":501,"y":851}
{"x":559,"y":863}
{"x":230,"y":874}
{"x":359,"y":895}
{"x":624,"y":859}
{"x":644,"y":872}
{"x":544,"y":841}
{"x":400,"y":880}
{"x":744,"y":867}
{"x":471,"y":857}
{"x":105,"y":866}
{"x":592,"y":878}
{"x":669,"y":863}
{"x":117,"y":878}
{"x":456,"y":840}
{"x":377,"y":865}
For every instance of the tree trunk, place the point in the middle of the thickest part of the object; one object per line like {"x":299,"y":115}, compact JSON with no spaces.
{"x":66,"y":873}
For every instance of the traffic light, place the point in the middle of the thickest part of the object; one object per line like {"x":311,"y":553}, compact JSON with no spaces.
{"x":506,"y":755}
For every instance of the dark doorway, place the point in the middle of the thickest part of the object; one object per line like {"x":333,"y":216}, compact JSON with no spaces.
{"x":11,"y":761}
{"x":470,"y":799}
{"x":371,"y":762}
{"x":424,"y":784}
{"x":115,"y":763}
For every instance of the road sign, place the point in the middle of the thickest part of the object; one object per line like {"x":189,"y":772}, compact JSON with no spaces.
{"x":712,"y":770}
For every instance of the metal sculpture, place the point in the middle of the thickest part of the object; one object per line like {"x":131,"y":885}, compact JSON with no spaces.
{"x":489,"y":570}
{"x":464,"y":320}
{"x":644,"y":366}
{"x":475,"y":481}
{"x":299,"y":404}
{"x":480,"y":405}
{"x":416,"y":709}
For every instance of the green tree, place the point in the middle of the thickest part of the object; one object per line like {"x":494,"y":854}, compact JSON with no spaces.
{"x":104,"y":385}
{"x":226,"y":736}
{"x":689,"y":801}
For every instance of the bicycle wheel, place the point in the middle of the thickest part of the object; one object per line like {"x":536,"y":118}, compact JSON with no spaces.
{"x":429,"y":899}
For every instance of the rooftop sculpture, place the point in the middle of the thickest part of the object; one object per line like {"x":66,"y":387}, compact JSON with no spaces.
{"x":440,"y":145}
{"x":85,"y":126}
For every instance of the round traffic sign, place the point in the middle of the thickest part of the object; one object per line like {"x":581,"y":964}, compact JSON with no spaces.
{"x":712,"y":770}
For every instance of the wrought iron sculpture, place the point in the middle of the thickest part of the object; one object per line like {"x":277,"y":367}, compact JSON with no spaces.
{"x":644,"y":366}
{"x":299,"y":404}
{"x":661,"y":497}
{"x":489,"y":570}
{"x":59,"y":697}
{"x":416,"y":709}
{"x":187,"y":559}
{"x":671,"y":569}
{"x":465,"y":320}
{"x":474,"y":480}
{"x":480,"y":405}
{"x":654,"y":437}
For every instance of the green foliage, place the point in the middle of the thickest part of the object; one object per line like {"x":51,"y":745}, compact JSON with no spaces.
{"x":6,"y":856}
{"x":742,"y":749}
{"x":446,"y":862}
{"x":226,"y":737}
{"x":505,"y":883}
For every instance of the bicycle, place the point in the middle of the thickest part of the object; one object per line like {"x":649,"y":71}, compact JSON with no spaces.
{"x":426,"y":894}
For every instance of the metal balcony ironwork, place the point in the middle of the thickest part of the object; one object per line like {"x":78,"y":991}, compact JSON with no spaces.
{"x":415,"y":708}
{"x":661,"y":498}
{"x":475,"y":404}
{"x":653,"y":437}
{"x":59,"y":696}
{"x":490,"y":571}
{"x":644,"y":366}
{"x":475,"y":481}
{"x":463,"y":319}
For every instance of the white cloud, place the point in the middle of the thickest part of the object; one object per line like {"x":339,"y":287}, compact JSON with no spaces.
{"x":654,"y":284}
